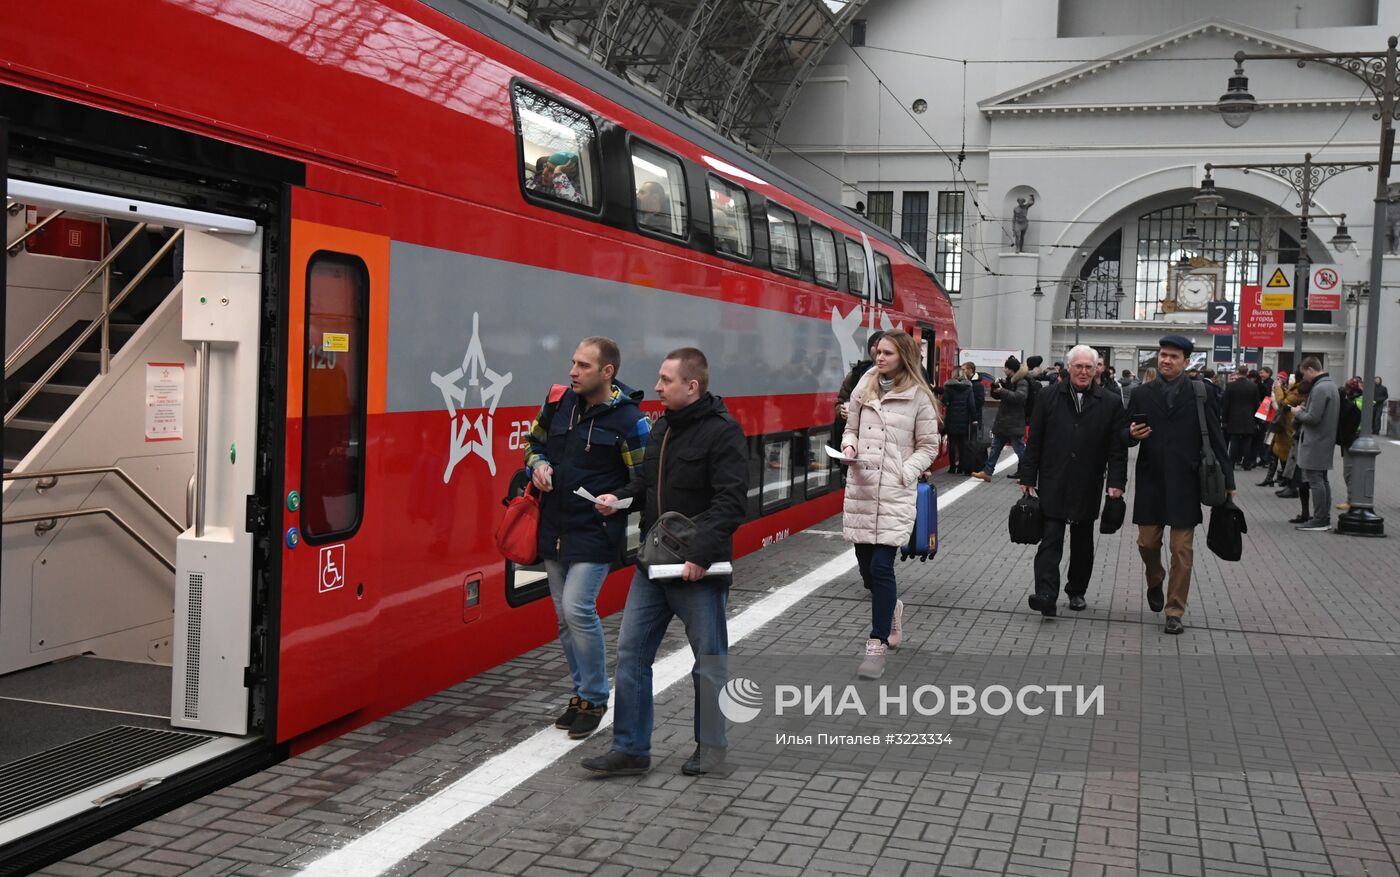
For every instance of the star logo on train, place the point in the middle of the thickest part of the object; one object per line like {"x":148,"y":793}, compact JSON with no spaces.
{"x":470,"y":434}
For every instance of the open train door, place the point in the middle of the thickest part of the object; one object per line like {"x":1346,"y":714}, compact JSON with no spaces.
{"x":337,"y":321}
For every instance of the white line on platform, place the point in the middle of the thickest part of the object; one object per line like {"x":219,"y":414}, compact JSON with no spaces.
{"x":392,"y":842}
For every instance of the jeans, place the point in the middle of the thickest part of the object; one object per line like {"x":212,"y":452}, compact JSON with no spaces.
{"x":876,"y":564}
{"x":1348,"y":463}
{"x":1321,"y":493}
{"x":650,"y":607}
{"x":1052,"y":547}
{"x":574,"y":588}
{"x":1018,"y":444}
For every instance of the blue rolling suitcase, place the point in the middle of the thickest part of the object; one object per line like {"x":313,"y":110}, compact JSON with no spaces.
{"x":923,"y":541}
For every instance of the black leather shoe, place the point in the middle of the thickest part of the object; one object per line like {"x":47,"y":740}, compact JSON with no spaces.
{"x":1156,"y":599}
{"x":1014,"y":475}
{"x":1300,"y":519}
{"x":1287,"y":493}
{"x":706,"y":759}
{"x":1267,"y":482}
{"x":570,"y":713}
{"x":618,"y":764}
{"x":1076,"y":602}
{"x":1174,"y":625}
{"x":586,"y":722}
{"x":1044,"y":605}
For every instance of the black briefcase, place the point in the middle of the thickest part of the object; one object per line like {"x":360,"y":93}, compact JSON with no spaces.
{"x":1225,"y":536}
{"x":1115,"y":510}
{"x":1025,"y":523}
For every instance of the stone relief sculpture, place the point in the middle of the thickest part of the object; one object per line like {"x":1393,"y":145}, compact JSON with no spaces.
{"x":1392,"y":222}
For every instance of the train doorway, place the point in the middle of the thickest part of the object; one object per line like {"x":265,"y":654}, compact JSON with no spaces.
{"x":135,"y":607}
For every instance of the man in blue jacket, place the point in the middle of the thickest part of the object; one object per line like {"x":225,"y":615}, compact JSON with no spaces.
{"x":591,"y":435}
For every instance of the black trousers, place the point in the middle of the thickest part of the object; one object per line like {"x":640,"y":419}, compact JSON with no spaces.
{"x":1052,"y":548}
{"x":1240,"y":450}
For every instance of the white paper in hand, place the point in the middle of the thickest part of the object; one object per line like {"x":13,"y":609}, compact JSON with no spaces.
{"x":837,"y":455}
{"x":615,"y":504}
{"x":674,"y":570}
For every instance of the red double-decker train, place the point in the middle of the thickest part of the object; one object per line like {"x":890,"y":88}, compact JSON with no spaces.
{"x":383,"y":225}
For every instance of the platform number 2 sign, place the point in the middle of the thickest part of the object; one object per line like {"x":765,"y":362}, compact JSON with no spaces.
{"x":1220,"y":317}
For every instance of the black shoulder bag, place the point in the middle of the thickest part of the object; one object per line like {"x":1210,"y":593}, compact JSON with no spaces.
{"x":1213,"y":489}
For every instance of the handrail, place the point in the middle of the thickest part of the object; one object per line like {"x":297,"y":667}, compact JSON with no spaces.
{"x":41,"y":517}
{"x":201,"y":456}
{"x":13,"y":247}
{"x":83,"y":336}
{"x":23,"y":348}
{"x":98,"y":470}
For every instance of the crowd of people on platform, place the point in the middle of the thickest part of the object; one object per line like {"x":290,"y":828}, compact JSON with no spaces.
{"x":591,"y":451}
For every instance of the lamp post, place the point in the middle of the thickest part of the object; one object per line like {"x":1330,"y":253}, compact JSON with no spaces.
{"x":1306,"y":178}
{"x":1380,"y":71}
{"x":1076,"y":298}
{"x":1356,"y":296}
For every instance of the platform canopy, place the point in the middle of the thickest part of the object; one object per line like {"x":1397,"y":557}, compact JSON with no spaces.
{"x":734,"y":64}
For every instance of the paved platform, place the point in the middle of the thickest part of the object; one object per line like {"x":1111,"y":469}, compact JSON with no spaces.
{"x":1294,"y":594}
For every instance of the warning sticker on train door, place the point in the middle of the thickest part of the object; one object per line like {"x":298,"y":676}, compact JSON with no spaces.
{"x":332,"y":574}
{"x":165,"y":401}
{"x":335,"y":342}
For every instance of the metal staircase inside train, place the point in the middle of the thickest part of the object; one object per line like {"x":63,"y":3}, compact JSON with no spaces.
{"x":137,"y":273}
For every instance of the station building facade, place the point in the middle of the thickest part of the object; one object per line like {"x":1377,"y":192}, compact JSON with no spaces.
{"x":934,"y":117}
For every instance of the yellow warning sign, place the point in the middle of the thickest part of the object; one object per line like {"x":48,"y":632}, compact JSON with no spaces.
{"x":1276,"y":301}
{"x":1278,"y":279}
{"x":335,"y":342}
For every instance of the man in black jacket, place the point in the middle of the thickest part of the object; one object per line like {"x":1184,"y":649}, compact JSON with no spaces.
{"x":1163,"y":418}
{"x":1240,"y":401}
{"x":1077,"y":434}
{"x":697,"y":465}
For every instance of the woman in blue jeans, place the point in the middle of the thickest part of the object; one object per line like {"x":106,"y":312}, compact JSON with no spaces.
{"x":890,"y":439}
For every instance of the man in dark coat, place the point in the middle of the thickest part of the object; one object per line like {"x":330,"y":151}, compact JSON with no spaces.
{"x":697,"y":464}
{"x":979,"y":393}
{"x":1078,"y":432}
{"x":1379,"y":400}
{"x":1241,"y":400}
{"x":1163,"y":420}
{"x":958,"y":417}
{"x":1010,"y":424}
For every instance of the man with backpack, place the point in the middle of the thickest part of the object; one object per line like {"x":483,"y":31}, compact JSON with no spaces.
{"x":591,"y":434}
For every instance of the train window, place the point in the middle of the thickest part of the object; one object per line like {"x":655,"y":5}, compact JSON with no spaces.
{"x":659,"y":181}
{"x":729,"y":214}
{"x":782,"y":239}
{"x":824,"y":256}
{"x":333,"y":413}
{"x":886,"y":275}
{"x":558,"y":149}
{"x":777,"y":471}
{"x":855,"y":267}
{"x":818,"y":463}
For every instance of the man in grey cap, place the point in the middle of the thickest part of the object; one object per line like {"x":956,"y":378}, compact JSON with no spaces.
{"x":1163,"y":419}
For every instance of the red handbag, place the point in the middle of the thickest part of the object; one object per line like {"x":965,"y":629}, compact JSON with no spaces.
{"x":517,"y":536}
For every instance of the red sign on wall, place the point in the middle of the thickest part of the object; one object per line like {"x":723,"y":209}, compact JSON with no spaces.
{"x":1258,"y":327}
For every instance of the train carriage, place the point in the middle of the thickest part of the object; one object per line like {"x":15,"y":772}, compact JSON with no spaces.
{"x":287,"y":284}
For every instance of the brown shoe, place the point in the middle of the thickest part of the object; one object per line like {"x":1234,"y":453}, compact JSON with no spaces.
{"x":981,"y":476}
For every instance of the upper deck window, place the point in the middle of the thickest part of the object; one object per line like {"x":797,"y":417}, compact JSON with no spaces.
{"x":660,"y":201}
{"x":558,"y":149}
{"x":782,"y":239}
{"x":886,"y":274}
{"x":824,"y":256}
{"x":855,"y":268}
{"x":729,"y":215}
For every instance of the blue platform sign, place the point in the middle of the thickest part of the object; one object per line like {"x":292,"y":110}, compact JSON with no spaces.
{"x":1224,"y":349}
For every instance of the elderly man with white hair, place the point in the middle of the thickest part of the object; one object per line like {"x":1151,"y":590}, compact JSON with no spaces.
{"x":1078,"y":436}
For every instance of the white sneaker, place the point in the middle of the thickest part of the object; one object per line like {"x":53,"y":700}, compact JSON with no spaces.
{"x":897,"y":625}
{"x":873,"y":667}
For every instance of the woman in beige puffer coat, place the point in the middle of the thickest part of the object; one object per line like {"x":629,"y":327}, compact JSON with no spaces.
{"x":891,"y":437}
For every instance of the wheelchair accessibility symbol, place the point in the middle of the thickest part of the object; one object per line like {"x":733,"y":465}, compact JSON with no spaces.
{"x":332,"y":567}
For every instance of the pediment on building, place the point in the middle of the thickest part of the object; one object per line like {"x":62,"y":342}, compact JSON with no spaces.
{"x":1183,"y":70}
